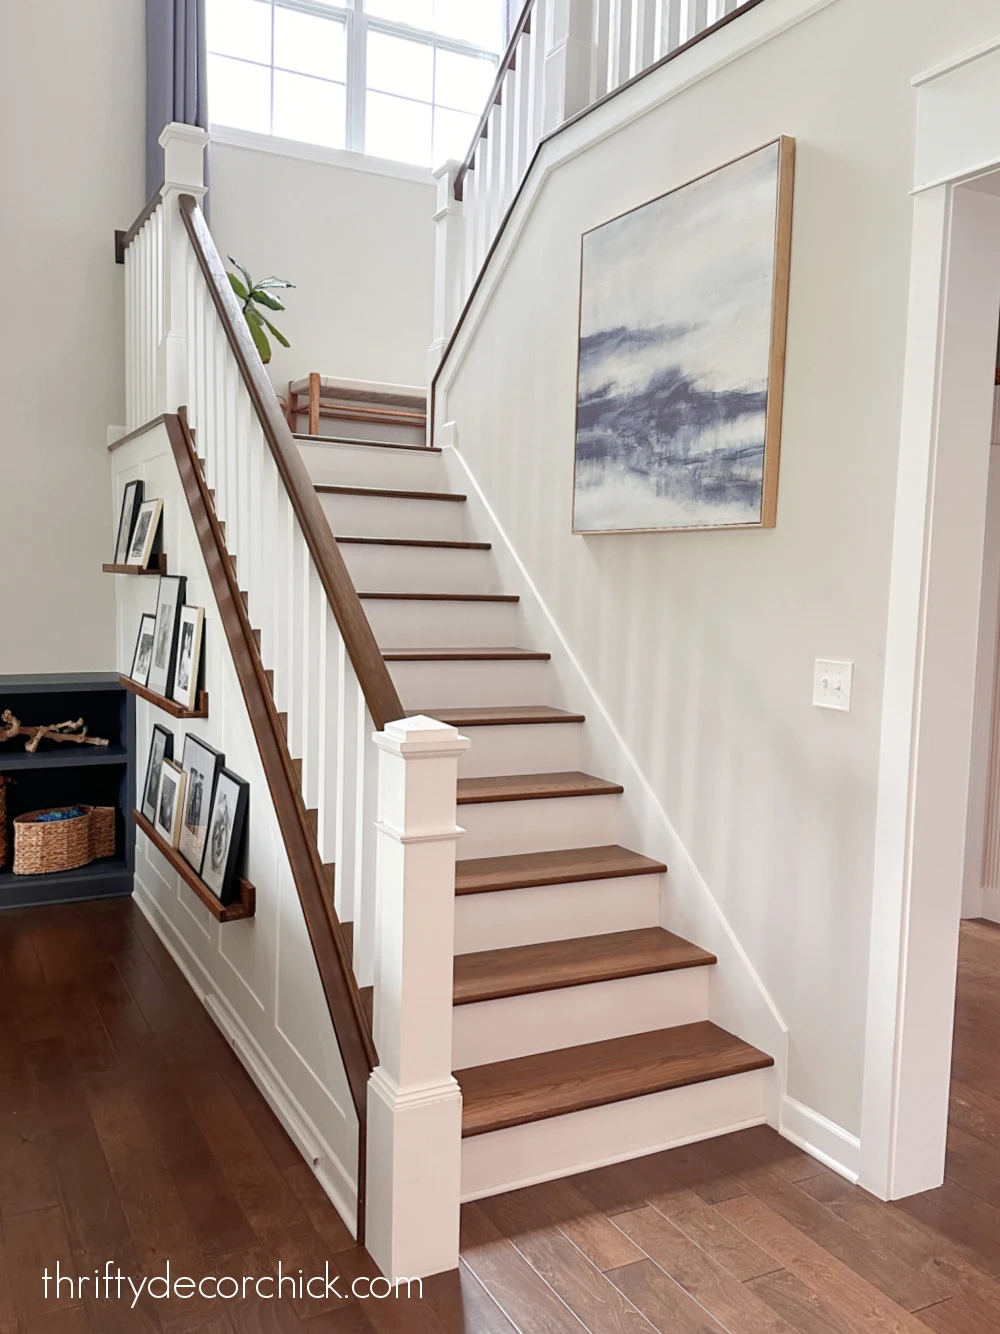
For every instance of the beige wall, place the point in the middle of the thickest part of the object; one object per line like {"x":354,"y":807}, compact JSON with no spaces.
{"x":701,"y":645}
{"x":358,"y":246}
{"x":72,"y":103}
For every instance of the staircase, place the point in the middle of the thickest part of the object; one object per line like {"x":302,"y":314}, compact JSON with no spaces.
{"x":580,"y":1024}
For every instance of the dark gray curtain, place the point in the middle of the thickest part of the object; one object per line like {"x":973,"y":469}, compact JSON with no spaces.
{"x":175,"y":75}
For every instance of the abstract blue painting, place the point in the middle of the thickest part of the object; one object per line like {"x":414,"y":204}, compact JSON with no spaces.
{"x":682,"y":331}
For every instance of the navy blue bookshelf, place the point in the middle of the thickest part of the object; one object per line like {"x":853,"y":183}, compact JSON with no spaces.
{"x":64,"y":773}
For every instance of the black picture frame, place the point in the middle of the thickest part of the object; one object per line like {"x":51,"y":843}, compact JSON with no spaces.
{"x":170,"y":598}
{"x":143,"y":653}
{"x":201,"y":762}
{"x":220,"y":867}
{"x":131,"y":501}
{"x":161,"y":747}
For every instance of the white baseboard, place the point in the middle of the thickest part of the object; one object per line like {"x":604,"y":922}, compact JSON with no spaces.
{"x":991,"y":905}
{"x":317,"y":1152}
{"x":824,"y":1140}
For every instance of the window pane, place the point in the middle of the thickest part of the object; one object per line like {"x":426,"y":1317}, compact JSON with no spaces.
{"x":309,"y":109}
{"x":417,"y":13}
{"x":463,"y":82}
{"x":396,"y":65}
{"x":396,"y":128}
{"x":477,"y":21}
{"x":239,"y":94}
{"x":240,"y":28}
{"x":309,"y":44}
{"x":453,"y":131}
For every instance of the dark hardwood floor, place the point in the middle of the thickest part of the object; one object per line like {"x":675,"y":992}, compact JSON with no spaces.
{"x":130,"y":1133}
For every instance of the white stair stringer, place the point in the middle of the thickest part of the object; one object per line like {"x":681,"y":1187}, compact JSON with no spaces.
{"x":511,"y":1026}
{"x":560,"y":1146}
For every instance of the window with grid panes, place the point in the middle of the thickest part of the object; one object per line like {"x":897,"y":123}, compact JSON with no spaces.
{"x":399,"y":79}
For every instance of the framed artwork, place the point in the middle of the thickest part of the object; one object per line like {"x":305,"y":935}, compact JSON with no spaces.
{"x":169,"y":601}
{"x":223,"y":846}
{"x":143,"y":655}
{"x":144,"y":534}
{"x":683,"y":307}
{"x":131,"y":500}
{"x":161,"y":748}
{"x":201,"y":764}
{"x":190,"y":622}
{"x":170,"y":802}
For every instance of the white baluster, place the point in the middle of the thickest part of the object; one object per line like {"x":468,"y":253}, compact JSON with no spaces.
{"x":449,"y":262}
{"x":508,"y":135}
{"x":643,"y":39}
{"x":350,"y":718}
{"x":366,"y":786}
{"x":470,"y":199}
{"x":569,"y":57}
{"x":691,"y":19}
{"x":621,"y":41}
{"x":494,"y":169}
{"x":312,"y":648}
{"x":521,"y":97}
{"x":602,"y":45}
{"x":331,"y":661}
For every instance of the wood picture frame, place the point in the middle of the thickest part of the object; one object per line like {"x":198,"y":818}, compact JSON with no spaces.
{"x":659,"y":444}
{"x":170,"y":802}
{"x":161,"y":748}
{"x":131,"y":502}
{"x":201,"y":762}
{"x":142,"y":657}
{"x":147,"y":526}
{"x":224,"y":843}
{"x":169,"y":600}
{"x":190,"y":634}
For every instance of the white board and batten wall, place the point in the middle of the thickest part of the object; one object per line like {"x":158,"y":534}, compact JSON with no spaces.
{"x":257,"y":978}
{"x":694,"y":652}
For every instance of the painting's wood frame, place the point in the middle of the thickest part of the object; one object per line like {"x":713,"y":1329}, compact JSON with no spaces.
{"x":776,"y":352}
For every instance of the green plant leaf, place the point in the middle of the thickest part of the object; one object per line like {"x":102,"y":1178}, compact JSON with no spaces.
{"x":245,"y":272}
{"x":274,"y":282}
{"x":265,"y":300}
{"x":258,"y":335}
{"x":237,"y":286}
{"x":277,"y":332}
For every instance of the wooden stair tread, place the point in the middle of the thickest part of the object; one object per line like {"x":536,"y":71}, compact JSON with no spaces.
{"x":553,"y":1083}
{"x":520,"y":970}
{"x":534,"y":787}
{"x":524,"y":870}
{"x":413,"y":542}
{"x":506,"y":715}
{"x":351,"y":440}
{"x":440,"y":597}
{"x":388,"y":493}
{"x":464,"y":655}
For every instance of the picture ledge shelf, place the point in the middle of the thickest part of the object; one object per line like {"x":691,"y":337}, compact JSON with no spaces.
{"x":157,"y":565}
{"x":167,"y":705}
{"x":232,"y":912}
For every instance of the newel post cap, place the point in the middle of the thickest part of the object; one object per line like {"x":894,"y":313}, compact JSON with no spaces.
{"x":184,"y":156}
{"x":421,"y":736}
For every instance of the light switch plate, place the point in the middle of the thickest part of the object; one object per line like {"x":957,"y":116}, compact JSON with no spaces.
{"x":832,"y":684}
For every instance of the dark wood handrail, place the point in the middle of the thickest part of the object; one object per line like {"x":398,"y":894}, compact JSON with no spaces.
{"x":369,"y":665}
{"x":507,"y":62}
{"x":124,"y":239}
{"x":347,"y":1013}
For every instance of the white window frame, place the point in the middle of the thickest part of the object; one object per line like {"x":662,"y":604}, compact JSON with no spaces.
{"x":358,"y":23}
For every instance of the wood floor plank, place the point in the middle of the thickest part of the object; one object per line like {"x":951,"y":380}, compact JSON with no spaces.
{"x":707,"y":1282}
{"x":27,"y":1181}
{"x":590,"y":1231}
{"x":71,"y":1321}
{"x":34,"y":1244}
{"x":664,"y":1303}
{"x":463,"y":1305}
{"x":952,"y":1317}
{"x":796,"y":1303}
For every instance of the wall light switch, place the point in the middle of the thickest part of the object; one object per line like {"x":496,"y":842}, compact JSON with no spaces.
{"x":832,"y":684}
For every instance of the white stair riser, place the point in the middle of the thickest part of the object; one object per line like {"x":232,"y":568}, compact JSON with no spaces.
{"x":400,"y":624}
{"x":392,"y":569}
{"x":499,"y":1030}
{"x":375,"y":431}
{"x":528,"y":748}
{"x":395,"y":516}
{"x":563,"y":1145}
{"x":499,"y":828}
{"x":455,"y":683}
{"x":367,"y":465}
{"x":507,"y":917}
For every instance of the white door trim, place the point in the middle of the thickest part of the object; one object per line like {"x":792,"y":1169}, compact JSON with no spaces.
{"x":933,"y":627}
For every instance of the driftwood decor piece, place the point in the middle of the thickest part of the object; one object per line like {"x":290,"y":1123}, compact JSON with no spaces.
{"x":11,"y":727}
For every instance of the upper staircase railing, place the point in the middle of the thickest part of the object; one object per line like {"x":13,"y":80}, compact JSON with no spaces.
{"x":342,"y":760}
{"x":563,"y":57}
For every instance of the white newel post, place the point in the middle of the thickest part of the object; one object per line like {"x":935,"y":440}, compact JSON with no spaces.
{"x":183,"y":174}
{"x":414,"y":1103}
{"x":569,"y":60}
{"x":449,"y":263}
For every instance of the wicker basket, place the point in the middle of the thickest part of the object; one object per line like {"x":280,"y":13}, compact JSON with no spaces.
{"x":62,"y":845}
{"x":4,"y":838}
